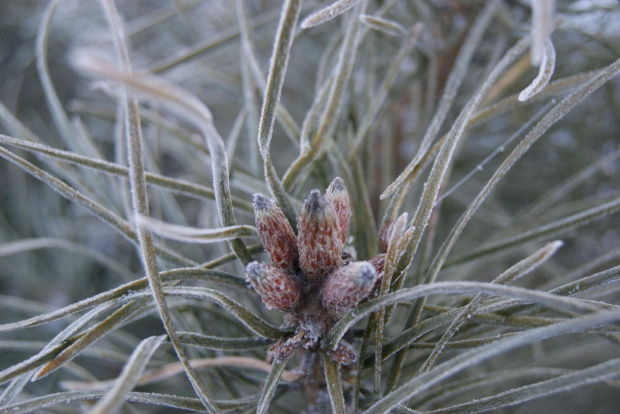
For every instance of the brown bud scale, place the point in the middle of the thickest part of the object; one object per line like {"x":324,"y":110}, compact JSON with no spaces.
{"x":344,"y":354}
{"x":276,"y":234}
{"x":378,"y":262}
{"x":347,"y":286}
{"x":284,"y":348}
{"x":277,"y":289}
{"x":337,"y":195}
{"x":384,"y":235}
{"x":320,"y":244}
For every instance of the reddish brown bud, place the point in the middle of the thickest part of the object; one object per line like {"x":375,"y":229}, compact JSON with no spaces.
{"x":276,"y":234}
{"x":337,"y":195}
{"x":384,"y":235}
{"x":283,"y":350}
{"x":320,"y":244}
{"x":344,"y":354}
{"x":286,"y":347}
{"x":347,"y":286}
{"x":277,"y":290}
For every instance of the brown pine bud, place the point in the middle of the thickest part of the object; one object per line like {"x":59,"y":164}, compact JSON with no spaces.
{"x":286,"y":347}
{"x":283,"y":350}
{"x":276,"y":234}
{"x":384,"y":235}
{"x":344,"y":354}
{"x":347,"y":286}
{"x":378,"y":262}
{"x":337,"y":195}
{"x":277,"y":290}
{"x":320,"y":244}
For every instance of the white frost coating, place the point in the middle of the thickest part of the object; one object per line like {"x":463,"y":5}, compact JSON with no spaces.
{"x":401,"y":249}
{"x":333,"y":10}
{"x":192,"y":234}
{"x":499,"y":149}
{"x":453,"y":83}
{"x":183,"y":104}
{"x":395,"y":249}
{"x":398,"y":229}
{"x":542,"y":25}
{"x":132,"y":371}
{"x":178,"y":101}
{"x":544,"y":74}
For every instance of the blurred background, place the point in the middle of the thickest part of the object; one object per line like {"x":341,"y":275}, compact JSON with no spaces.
{"x":53,"y":252}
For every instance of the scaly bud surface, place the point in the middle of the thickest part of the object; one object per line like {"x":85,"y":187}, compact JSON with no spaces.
{"x":320,"y":243}
{"x":277,"y":289}
{"x":286,"y":347}
{"x":347,"y":286}
{"x":344,"y":354}
{"x":337,"y":195}
{"x":277,"y":235}
{"x":378,"y":262}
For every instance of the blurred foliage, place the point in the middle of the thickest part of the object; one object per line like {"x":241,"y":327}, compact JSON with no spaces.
{"x":54,"y":253}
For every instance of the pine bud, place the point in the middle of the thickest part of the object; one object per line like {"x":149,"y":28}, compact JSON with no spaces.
{"x":384,"y":235}
{"x":347,"y":286}
{"x":276,"y":234}
{"x":337,"y":195}
{"x":286,"y":347}
{"x":277,"y":290}
{"x":283,"y":350}
{"x":320,"y":243}
{"x":344,"y":354}
{"x":378,"y":262}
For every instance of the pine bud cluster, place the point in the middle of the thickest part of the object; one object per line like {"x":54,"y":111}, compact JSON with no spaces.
{"x":308,"y":277}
